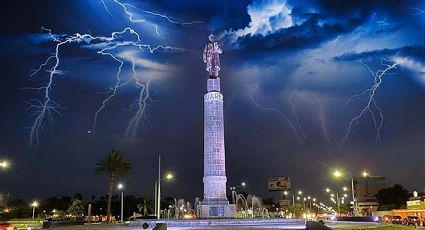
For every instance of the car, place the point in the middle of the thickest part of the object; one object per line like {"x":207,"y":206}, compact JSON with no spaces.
{"x":396,"y":220}
{"x":387,"y":218}
{"x":6,"y":226}
{"x":412,"y":220}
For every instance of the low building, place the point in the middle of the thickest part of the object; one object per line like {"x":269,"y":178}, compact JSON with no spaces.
{"x":3,"y":200}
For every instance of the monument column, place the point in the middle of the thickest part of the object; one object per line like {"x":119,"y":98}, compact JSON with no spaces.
{"x":215,"y":203}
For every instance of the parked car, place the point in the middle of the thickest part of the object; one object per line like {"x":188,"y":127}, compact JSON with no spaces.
{"x":6,"y":226}
{"x":412,"y":220}
{"x":396,"y":220}
{"x":387,"y":218}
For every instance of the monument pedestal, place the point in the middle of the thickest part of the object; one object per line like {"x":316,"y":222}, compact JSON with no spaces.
{"x":216,"y":210}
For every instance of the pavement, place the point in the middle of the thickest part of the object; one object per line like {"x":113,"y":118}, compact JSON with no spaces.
{"x":331,"y":224}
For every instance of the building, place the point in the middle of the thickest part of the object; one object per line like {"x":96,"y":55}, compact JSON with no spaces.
{"x":3,"y":200}
{"x":365,"y":190}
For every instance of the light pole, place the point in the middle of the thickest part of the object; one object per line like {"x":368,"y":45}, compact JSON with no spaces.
{"x":121,"y":187}
{"x":34,"y":205}
{"x":337,"y":174}
{"x":169,"y":176}
{"x":158,"y":190}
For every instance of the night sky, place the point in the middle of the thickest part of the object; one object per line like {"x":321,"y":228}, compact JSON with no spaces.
{"x":294,"y":76}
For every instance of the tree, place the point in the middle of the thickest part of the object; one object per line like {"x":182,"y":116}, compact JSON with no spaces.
{"x":145,"y":207}
{"x":392,"y":197}
{"x":112,"y":165}
{"x":76,"y":208}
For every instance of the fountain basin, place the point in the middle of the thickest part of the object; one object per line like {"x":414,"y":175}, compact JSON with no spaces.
{"x":223,"y":223}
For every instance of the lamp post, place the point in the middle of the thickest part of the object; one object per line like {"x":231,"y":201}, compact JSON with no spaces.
{"x":121,"y":187}
{"x":169,"y":176}
{"x":34,"y":205}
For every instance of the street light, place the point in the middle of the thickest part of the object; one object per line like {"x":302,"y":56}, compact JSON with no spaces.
{"x":34,"y":205}
{"x":4,"y":164}
{"x":365,"y":173}
{"x":243,"y":184}
{"x":300,"y":192}
{"x":121,"y":187}
{"x":337,"y":174}
{"x":169,"y":176}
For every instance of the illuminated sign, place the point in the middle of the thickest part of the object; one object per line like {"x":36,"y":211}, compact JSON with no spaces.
{"x":415,"y":204}
{"x":279,"y":183}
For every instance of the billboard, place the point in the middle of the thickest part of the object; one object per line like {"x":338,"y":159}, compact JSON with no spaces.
{"x":279,"y":184}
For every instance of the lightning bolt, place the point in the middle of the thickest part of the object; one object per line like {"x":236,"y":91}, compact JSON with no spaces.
{"x":294,"y":114}
{"x":43,"y":109}
{"x":418,"y":11}
{"x":322,"y":118}
{"x":371,"y":107}
{"x":132,"y":18}
{"x":281,"y":115}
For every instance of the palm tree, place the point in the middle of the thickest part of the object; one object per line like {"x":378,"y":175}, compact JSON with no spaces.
{"x":113,"y":165}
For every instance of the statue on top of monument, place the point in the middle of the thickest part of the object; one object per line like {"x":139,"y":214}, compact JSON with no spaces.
{"x":211,"y":56}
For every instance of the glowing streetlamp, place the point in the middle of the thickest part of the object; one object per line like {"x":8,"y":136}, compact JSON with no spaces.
{"x":300,"y":192}
{"x":169,"y":176}
{"x":4,"y":164}
{"x":243,"y":184}
{"x":121,"y":187}
{"x":34,"y":205}
{"x":337,"y":174}
{"x":365,"y":173}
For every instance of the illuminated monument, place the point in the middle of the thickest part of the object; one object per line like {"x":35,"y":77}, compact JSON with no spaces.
{"x":215,"y":203}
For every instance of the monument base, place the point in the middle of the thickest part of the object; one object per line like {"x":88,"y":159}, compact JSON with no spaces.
{"x":216,"y":211}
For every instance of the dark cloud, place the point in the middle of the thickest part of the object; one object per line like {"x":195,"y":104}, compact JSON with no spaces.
{"x":406,"y":51}
{"x":307,"y":35}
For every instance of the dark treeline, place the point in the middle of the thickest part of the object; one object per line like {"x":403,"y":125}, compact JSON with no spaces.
{"x":58,"y":206}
